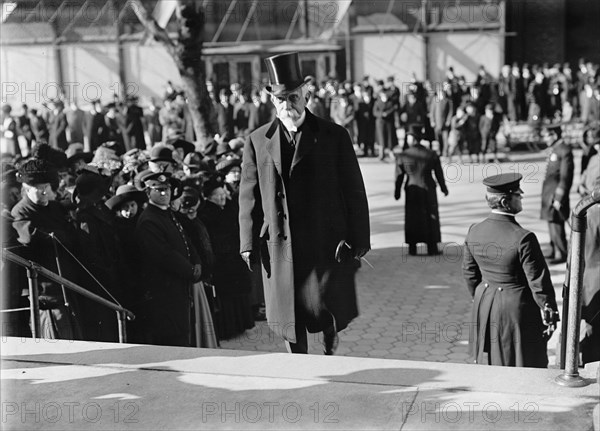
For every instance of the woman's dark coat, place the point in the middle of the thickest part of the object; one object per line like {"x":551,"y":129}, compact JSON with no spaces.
{"x":422,"y":219}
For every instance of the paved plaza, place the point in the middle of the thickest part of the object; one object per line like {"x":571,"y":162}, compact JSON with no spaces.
{"x":418,"y":307}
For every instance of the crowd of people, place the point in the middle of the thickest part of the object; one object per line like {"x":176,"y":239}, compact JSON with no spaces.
{"x":104,"y":197}
{"x":121,"y":203}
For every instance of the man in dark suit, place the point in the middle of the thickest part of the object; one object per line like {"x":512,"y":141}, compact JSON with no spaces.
{"x":169,"y":265}
{"x":301,"y":194}
{"x":225,"y":116}
{"x":514,"y":306}
{"x":58,"y":126}
{"x":422,"y":219}
{"x":440,"y":116}
{"x":555,"y":193}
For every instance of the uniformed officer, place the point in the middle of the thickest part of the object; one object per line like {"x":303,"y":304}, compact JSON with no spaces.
{"x":555,"y":193}
{"x":514,"y":307}
{"x":169,"y":265}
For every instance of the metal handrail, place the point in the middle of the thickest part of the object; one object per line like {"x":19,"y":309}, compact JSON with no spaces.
{"x":34,"y":269}
{"x":570,"y":376}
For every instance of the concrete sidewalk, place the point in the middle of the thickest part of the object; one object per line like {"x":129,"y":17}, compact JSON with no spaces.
{"x":418,"y":307}
{"x":80,"y":385}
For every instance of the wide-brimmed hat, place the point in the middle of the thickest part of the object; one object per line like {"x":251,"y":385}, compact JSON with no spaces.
{"x":225,"y":165}
{"x":125,"y":193}
{"x":186,"y":146}
{"x":75,"y":152}
{"x":90,"y":186}
{"x":285,"y":74}
{"x":211,"y":184}
{"x":196,"y":161}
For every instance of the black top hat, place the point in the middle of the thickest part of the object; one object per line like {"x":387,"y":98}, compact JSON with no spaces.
{"x":503,"y":183}
{"x":284,"y":71}
{"x":125,"y":193}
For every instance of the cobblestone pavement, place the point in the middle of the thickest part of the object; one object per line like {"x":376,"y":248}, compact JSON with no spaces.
{"x":418,"y":307}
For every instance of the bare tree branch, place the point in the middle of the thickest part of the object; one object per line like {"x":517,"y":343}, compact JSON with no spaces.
{"x":158,"y":33}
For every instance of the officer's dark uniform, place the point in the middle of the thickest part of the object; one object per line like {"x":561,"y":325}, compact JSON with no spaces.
{"x":556,"y":187}
{"x":509,"y":281}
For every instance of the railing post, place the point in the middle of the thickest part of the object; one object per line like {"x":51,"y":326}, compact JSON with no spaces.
{"x":34,"y":304}
{"x":570,"y":377}
{"x":122,"y":327}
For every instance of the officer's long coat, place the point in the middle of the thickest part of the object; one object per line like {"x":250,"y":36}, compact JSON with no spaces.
{"x":557,"y":182}
{"x":509,"y":281}
{"x":298,"y":228}
{"x":422,"y":220}
{"x":167,"y":268}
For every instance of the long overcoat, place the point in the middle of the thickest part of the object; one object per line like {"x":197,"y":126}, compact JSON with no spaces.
{"x":167,"y":263}
{"x":422,"y":219}
{"x":510,"y":283}
{"x":557,"y":182}
{"x":296,"y":228}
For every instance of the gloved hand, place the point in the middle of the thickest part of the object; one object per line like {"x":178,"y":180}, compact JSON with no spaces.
{"x":360,"y":252}
{"x":197,"y":276}
{"x":549,"y":318}
{"x":247,"y":256}
{"x":397,"y":193}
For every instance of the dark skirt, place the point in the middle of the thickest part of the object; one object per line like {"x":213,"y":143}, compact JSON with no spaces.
{"x":233,"y":287}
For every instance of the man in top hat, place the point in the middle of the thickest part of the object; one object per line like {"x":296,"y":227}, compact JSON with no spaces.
{"x":169,"y":265}
{"x":301,"y":194}
{"x":514,"y":306}
{"x":422,"y":219}
{"x":555,"y":193}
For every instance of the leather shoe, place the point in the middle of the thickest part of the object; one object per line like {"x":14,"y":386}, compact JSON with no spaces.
{"x":331,"y":340}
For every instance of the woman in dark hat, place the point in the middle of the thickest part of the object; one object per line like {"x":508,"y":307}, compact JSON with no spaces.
{"x":36,"y":216}
{"x":193,"y":226}
{"x":231,"y":168}
{"x":230,"y":276}
{"x":100,"y":253}
{"x":127,"y":205}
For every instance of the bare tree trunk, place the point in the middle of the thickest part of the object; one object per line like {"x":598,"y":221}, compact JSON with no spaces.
{"x":187,"y":54}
